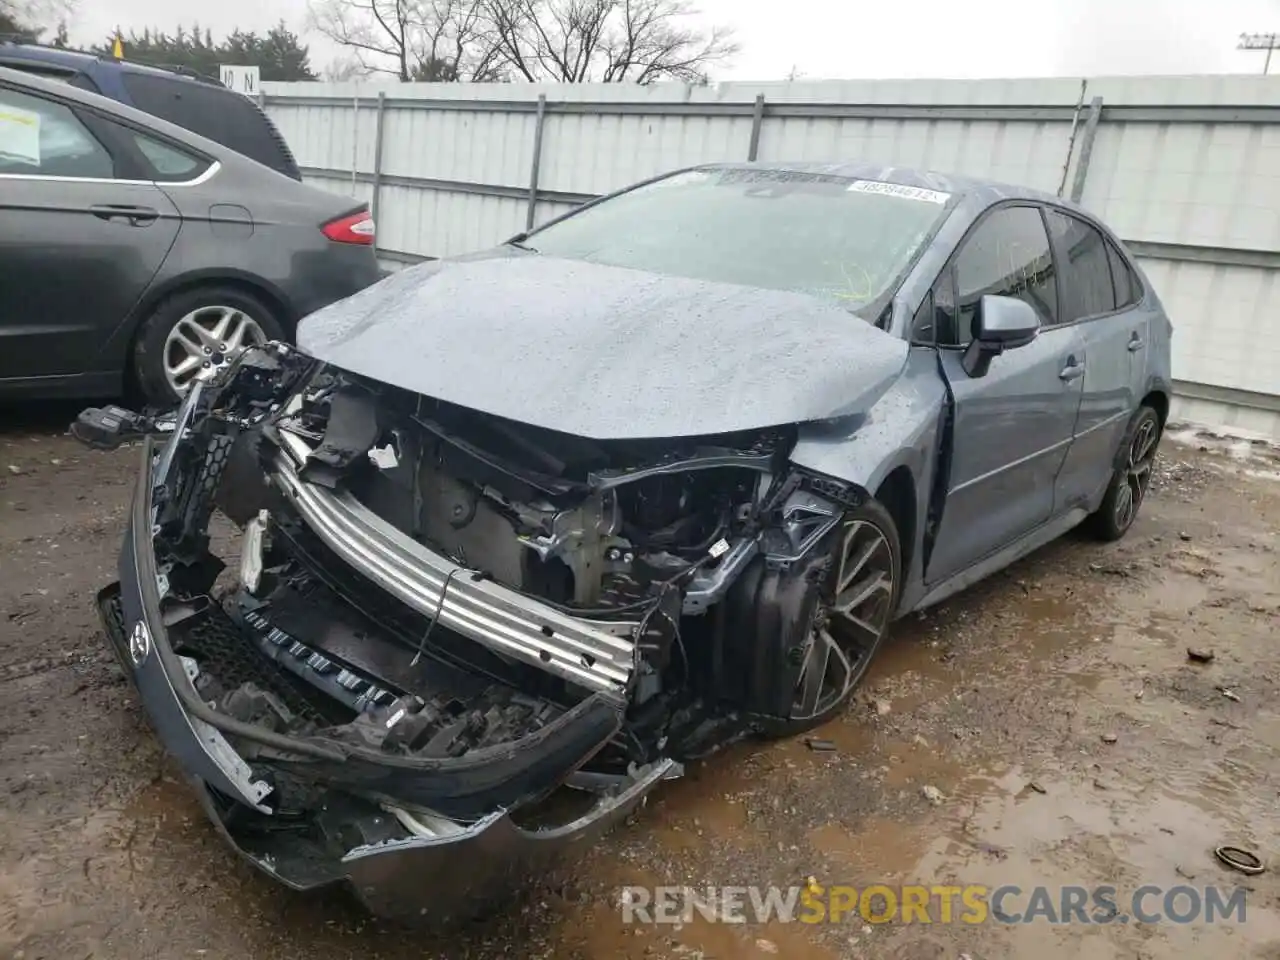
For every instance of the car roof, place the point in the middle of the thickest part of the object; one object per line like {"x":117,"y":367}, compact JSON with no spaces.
{"x":977,"y":188}
{"x":86,"y":62}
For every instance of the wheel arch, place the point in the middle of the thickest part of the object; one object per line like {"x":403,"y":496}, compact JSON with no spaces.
{"x":248,"y":283}
{"x":898,"y":495}
{"x":1158,"y":400}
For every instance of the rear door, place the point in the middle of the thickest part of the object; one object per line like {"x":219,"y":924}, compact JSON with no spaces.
{"x":1111,"y":334}
{"x":1012,"y":427}
{"x":81,"y":239}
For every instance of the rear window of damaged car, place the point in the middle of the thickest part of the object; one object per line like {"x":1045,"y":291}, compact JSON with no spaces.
{"x":838,"y":237}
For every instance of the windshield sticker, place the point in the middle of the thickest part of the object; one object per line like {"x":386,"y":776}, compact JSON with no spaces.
{"x":898,"y":190}
{"x":20,"y":135}
{"x":683,"y":179}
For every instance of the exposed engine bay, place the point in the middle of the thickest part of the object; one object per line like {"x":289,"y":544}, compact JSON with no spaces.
{"x":452,"y":615}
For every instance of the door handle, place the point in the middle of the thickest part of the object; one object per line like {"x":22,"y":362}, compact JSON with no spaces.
{"x":136,"y":215}
{"x":1072,"y":371}
{"x":1136,"y":343}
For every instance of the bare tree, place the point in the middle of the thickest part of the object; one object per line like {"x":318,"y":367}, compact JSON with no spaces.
{"x":567,"y":41}
{"x":410,"y":39}
{"x":29,"y":19}
{"x":575,"y":41}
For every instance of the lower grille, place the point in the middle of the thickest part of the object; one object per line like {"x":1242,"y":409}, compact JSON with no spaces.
{"x":223,"y":652}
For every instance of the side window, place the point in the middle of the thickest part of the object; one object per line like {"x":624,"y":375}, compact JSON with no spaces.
{"x":168,"y":162}
{"x":1085,"y":273}
{"x":1127,"y":287}
{"x":39,"y":137}
{"x":84,"y":82}
{"x":1007,"y":255}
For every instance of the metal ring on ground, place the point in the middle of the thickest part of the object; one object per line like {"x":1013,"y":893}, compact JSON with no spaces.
{"x":1240,"y":859}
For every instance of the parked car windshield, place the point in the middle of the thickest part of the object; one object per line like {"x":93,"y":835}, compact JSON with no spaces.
{"x":836,"y":237}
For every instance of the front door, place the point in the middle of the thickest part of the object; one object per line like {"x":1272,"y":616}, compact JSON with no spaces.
{"x":78,"y":246}
{"x":1012,"y":428}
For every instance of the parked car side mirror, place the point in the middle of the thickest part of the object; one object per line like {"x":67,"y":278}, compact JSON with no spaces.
{"x":1000,"y":324}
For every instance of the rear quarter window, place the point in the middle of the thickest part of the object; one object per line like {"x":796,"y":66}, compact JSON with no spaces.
{"x":214,"y":112}
{"x":1128,"y":288}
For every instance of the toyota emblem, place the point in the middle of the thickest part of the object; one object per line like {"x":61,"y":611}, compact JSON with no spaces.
{"x":139,"y":643}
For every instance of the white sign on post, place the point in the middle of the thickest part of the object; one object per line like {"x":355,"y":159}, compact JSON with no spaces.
{"x":240,"y":79}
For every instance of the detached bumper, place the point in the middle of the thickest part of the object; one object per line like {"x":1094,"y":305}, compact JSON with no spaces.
{"x":399,"y":865}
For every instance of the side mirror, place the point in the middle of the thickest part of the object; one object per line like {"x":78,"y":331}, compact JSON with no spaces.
{"x":1000,"y":324}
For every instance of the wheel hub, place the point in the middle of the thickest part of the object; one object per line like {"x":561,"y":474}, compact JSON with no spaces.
{"x":849,"y":623}
{"x":204,"y":341}
{"x":1137,"y":473}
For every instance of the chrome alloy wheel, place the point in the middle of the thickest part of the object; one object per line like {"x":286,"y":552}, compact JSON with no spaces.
{"x":1137,"y":472}
{"x":849,"y":622}
{"x":205,"y":340}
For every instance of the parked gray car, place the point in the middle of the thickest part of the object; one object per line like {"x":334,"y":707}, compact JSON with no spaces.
{"x":133,"y":248}
{"x":654,"y":477}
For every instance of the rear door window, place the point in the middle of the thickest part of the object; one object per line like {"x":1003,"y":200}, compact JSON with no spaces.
{"x":39,"y":137}
{"x":1085,"y":273}
{"x":215,"y":112}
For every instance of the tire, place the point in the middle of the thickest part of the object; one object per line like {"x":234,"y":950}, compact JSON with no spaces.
{"x":871,"y":518}
{"x":1130,"y":479}
{"x":198,"y":312}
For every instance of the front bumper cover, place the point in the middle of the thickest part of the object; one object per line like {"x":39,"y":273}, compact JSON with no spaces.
{"x":414,"y":877}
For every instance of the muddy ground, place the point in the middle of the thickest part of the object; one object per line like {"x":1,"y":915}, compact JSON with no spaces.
{"x":1053,"y":709}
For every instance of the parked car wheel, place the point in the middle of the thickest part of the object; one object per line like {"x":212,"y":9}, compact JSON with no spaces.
{"x":192,"y":334}
{"x":1131,"y":478}
{"x":850,"y":619}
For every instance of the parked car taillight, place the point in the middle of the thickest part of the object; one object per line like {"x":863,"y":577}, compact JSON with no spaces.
{"x":353,"y":228}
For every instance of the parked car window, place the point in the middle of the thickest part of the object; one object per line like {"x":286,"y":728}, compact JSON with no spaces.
{"x":39,"y":69}
{"x":168,"y":161}
{"x":84,"y":82}
{"x":833,"y":236}
{"x":42,"y":138}
{"x":73,"y":77}
{"x":212,"y":111}
{"x":1127,"y":287}
{"x":1008,"y":255}
{"x":1085,"y":274}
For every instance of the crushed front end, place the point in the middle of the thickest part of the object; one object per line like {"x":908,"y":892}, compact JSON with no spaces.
{"x":443,"y":638}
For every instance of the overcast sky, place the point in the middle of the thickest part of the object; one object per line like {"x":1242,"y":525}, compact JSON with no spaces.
{"x":828,"y":39}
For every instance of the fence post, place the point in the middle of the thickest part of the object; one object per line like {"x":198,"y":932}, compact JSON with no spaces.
{"x":377,"y":162}
{"x":355,"y":140}
{"x":1086,"y":148}
{"x":757,"y":118}
{"x":536,"y":166}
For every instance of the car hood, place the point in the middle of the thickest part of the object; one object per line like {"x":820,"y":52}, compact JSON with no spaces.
{"x":606,"y":352}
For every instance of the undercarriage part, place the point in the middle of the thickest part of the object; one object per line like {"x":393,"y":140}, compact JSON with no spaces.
{"x":594,"y":655}
{"x":769,"y":614}
{"x":351,"y":429}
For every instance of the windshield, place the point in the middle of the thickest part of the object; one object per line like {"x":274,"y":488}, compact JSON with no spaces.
{"x":836,"y":237}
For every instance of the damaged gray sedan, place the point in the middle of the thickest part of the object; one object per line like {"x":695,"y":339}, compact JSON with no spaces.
{"x":522,"y":532}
